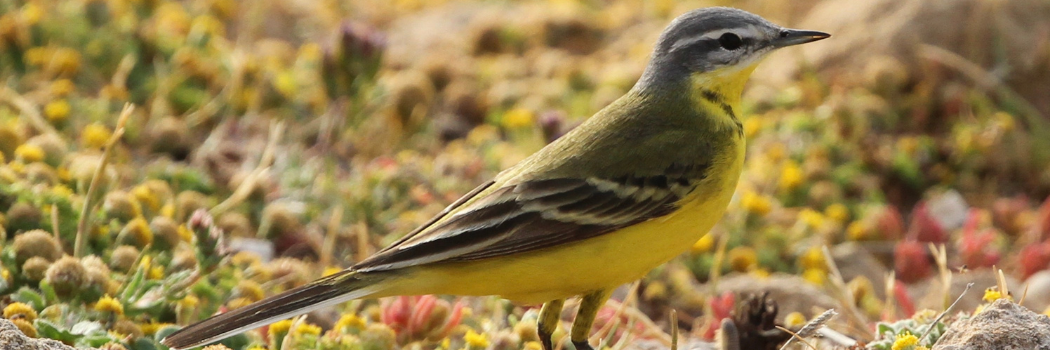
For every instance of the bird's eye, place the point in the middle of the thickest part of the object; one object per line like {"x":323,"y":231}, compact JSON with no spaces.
{"x":730,"y":41}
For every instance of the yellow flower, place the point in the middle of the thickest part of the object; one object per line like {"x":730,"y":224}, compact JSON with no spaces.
{"x":813,"y":258}
{"x":155,"y":273}
{"x":306,"y":328}
{"x":476,"y":340}
{"x":62,"y":87}
{"x":791,"y":176}
{"x":64,"y":61}
{"x":146,"y":196}
{"x":57,"y":111}
{"x":908,"y":144}
{"x":331,"y":270}
{"x":756,"y":203}
{"x":857,"y":231}
{"x":1005,"y":121}
{"x":250,"y":289}
{"x":189,"y":302}
{"x":351,"y":321}
{"x":31,"y":13}
{"x":752,"y":126}
{"x":905,"y":341}
{"x":29,"y":153}
{"x":20,"y":309}
{"x":311,"y":52}
{"x":280,"y":328}
{"x":185,"y":234}
{"x":838,"y":212}
{"x":168,"y":211}
{"x":794,"y":320}
{"x":815,"y":276}
{"x":532,"y":345}
{"x":703,"y":245}
{"x":759,"y":273}
{"x":285,"y":83}
{"x":812,"y":218}
{"x":742,"y":259}
{"x":61,"y":191}
{"x":36,"y":56}
{"x":95,"y":135}
{"x":238,"y":303}
{"x":216,"y":347}
{"x":993,"y":294}
{"x":25,"y":326}
{"x":210,"y":25}
{"x":518,"y":118}
{"x":110,"y":305}
{"x":152,"y":327}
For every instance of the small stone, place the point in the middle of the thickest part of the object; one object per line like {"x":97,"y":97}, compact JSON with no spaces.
{"x":1002,"y":325}
{"x":949,"y":209}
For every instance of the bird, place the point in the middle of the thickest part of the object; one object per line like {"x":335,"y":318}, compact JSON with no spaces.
{"x":627,"y":190}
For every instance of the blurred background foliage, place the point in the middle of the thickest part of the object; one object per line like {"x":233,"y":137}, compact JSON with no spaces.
{"x":307,"y":134}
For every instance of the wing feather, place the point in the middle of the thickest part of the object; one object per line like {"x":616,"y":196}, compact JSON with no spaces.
{"x":538,"y":214}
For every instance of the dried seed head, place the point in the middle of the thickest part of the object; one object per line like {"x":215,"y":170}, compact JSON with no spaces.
{"x":165,"y":232}
{"x":121,"y":206}
{"x":66,"y":276}
{"x":36,"y":243}
{"x":123,"y":258}
{"x":35,"y":268}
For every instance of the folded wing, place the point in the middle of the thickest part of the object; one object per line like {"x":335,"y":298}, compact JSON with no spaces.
{"x":537,"y":214}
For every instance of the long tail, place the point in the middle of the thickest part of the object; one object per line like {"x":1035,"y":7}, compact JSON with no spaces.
{"x":334,"y":289}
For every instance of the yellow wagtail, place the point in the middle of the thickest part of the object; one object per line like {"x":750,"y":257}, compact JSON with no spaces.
{"x":629,"y":189}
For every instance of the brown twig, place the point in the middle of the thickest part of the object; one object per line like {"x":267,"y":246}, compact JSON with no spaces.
{"x":674,"y":329}
{"x":85,"y":211}
{"x":796,"y":336}
{"x":946,"y":311}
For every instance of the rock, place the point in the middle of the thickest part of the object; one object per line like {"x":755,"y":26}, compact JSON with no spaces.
{"x":12,"y":338}
{"x":949,"y":209}
{"x":1002,"y":325}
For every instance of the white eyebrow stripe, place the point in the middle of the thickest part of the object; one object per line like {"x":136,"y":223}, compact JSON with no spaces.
{"x":744,"y":32}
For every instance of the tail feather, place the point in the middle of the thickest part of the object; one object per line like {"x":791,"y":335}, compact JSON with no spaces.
{"x":332,"y":290}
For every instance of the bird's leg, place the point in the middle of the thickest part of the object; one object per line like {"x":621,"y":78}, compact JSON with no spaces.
{"x":550,"y":317}
{"x":581,"y":327}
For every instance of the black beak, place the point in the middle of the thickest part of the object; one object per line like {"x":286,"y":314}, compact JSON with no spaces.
{"x":789,"y":37}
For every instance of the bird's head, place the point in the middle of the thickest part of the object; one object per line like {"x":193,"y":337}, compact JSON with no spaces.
{"x":717,"y":48}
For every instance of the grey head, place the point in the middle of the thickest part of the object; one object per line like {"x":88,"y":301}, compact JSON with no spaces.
{"x":710,"y":39}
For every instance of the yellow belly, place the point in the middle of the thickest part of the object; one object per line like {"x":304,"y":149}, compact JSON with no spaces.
{"x":602,"y":262}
